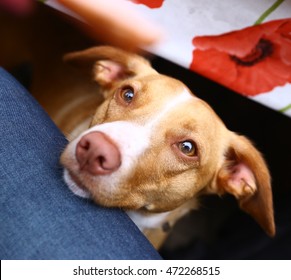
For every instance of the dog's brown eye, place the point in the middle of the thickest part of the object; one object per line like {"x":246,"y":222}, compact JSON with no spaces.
{"x":187,"y":148}
{"x":127,"y":94}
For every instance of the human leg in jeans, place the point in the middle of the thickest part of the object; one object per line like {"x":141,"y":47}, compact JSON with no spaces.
{"x":39,"y":217}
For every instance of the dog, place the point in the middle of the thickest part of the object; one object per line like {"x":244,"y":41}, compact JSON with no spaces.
{"x":153,"y":148}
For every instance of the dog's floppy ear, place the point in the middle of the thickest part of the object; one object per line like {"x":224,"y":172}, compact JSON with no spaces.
{"x":110,"y":64}
{"x":245,"y":175}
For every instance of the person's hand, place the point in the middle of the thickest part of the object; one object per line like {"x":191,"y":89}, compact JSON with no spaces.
{"x":115,"y":22}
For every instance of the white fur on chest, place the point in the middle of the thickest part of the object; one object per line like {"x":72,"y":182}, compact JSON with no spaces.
{"x":147,"y":221}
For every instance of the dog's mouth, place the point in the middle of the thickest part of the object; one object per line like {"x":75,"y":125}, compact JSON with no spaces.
{"x":75,"y":185}
{"x":77,"y":181}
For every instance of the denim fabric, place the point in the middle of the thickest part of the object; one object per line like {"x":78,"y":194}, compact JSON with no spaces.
{"x":39,"y":217}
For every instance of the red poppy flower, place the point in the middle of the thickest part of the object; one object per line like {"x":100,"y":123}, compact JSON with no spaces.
{"x":153,"y":4}
{"x":250,"y":61}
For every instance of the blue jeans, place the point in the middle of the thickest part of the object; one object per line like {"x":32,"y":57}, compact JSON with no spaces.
{"x":39,"y":217}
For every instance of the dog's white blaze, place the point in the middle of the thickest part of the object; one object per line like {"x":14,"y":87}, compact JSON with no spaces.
{"x":183,"y":97}
{"x":131,"y":139}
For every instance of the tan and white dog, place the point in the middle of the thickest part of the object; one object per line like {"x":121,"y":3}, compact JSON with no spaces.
{"x":153,"y":148}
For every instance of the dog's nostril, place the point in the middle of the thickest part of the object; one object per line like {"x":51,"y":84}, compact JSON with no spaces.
{"x":84,"y":144}
{"x":101,"y":160}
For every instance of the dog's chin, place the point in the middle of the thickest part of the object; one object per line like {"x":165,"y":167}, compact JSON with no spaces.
{"x":75,"y":187}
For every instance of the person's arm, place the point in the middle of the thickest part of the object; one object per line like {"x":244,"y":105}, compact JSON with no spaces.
{"x":115,"y":22}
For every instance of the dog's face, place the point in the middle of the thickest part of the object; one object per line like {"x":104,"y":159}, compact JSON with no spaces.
{"x":153,"y":145}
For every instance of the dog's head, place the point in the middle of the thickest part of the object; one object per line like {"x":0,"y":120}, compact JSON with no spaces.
{"x":153,"y":145}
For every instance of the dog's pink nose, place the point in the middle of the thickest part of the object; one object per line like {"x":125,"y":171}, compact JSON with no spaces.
{"x":96,"y":154}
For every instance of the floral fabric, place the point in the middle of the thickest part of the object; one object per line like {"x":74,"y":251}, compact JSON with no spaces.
{"x":243,"y":45}
{"x":250,"y":61}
